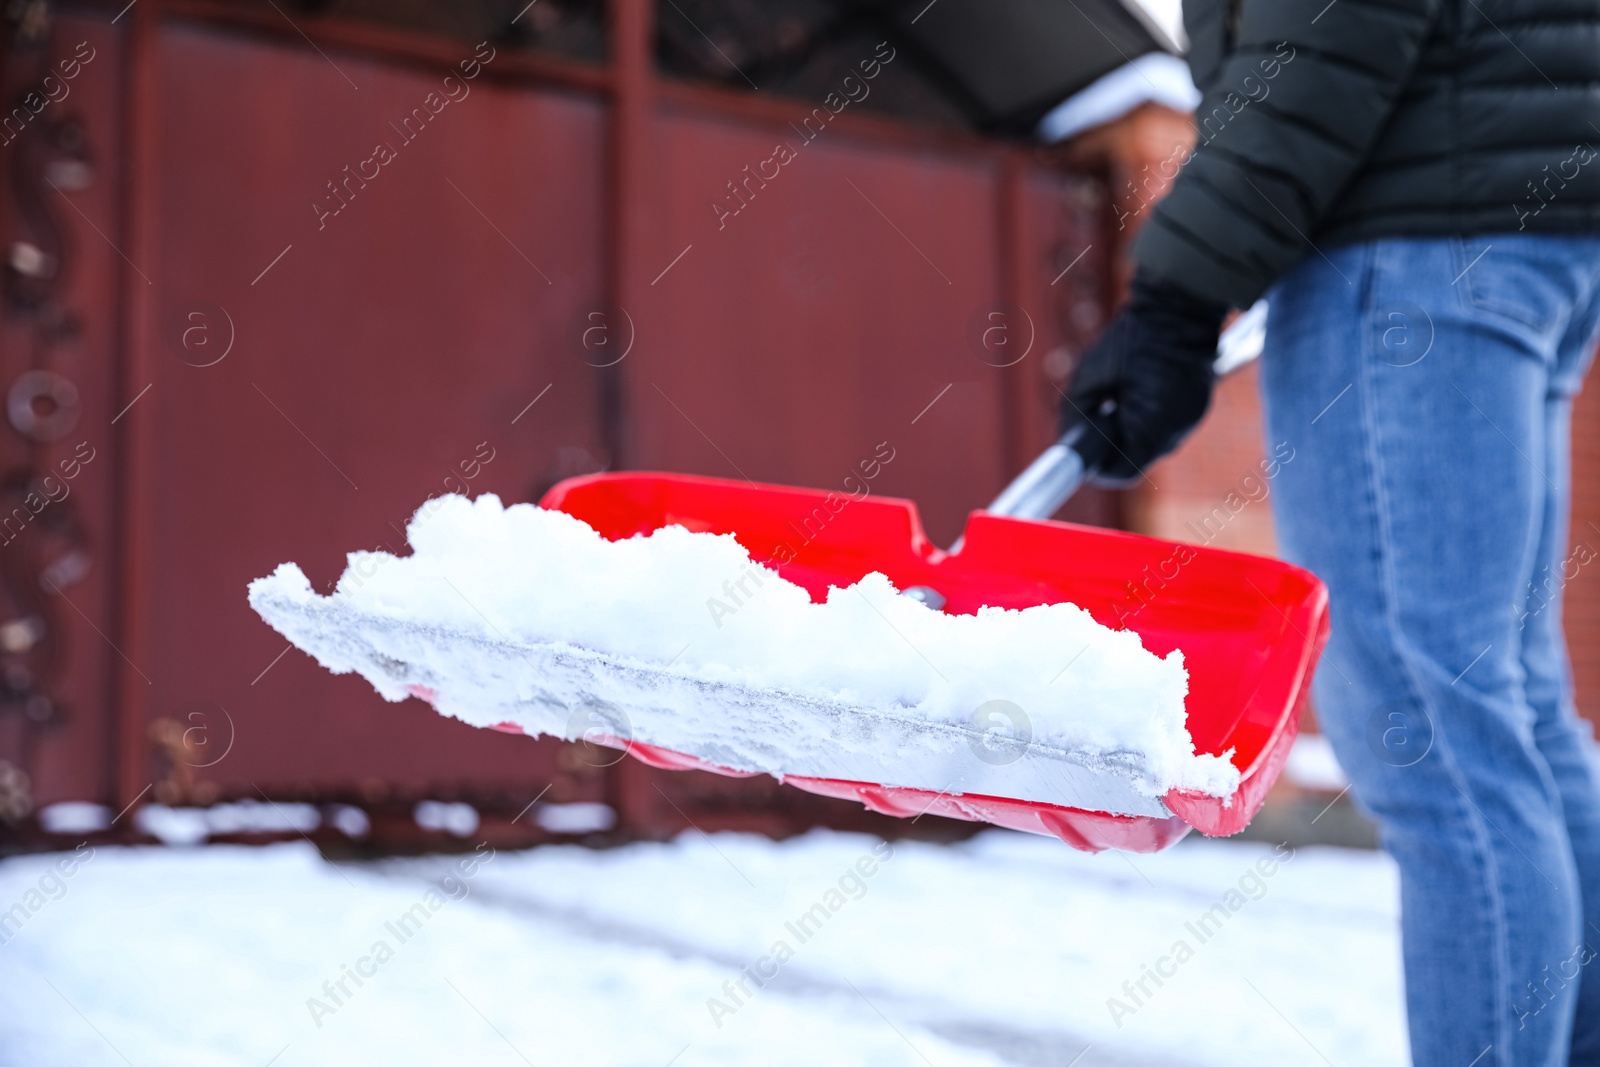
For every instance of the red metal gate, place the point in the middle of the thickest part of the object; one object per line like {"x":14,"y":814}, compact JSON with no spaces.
{"x":287,"y":337}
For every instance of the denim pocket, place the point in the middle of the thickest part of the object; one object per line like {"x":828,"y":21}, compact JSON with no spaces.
{"x":1500,"y":278}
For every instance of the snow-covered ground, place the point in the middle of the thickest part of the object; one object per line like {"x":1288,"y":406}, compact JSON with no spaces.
{"x":1007,"y":949}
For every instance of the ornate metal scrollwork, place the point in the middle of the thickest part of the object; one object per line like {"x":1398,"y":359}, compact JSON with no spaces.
{"x":43,"y":544}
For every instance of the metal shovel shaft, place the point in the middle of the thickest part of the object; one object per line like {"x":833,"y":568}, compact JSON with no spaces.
{"x":1051,"y":479}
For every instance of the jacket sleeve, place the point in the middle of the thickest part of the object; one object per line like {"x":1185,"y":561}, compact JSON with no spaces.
{"x":1290,"y":116}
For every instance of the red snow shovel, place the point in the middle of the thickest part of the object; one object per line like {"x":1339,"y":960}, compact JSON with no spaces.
{"x":1250,"y":628}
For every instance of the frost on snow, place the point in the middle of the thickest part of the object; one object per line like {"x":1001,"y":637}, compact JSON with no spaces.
{"x":696,"y":606}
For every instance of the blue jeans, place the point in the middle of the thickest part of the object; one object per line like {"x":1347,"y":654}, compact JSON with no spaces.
{"x":1427,"y":393}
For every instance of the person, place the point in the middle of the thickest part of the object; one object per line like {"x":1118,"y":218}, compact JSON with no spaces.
{"x":1413,"y":186}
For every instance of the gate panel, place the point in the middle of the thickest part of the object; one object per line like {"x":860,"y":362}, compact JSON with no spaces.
{"x":823,"y":318}
{"x":385,"y":346}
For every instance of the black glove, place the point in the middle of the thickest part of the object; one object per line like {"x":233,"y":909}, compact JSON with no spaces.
{"x":1146,"y":382}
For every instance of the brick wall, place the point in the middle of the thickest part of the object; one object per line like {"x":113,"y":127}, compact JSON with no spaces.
{"x":1583,"y":593}
{"x":1202,"y":493}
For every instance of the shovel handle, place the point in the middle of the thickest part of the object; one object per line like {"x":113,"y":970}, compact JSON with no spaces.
{"x":1048,"y":482}
{"x":1051,"y":479}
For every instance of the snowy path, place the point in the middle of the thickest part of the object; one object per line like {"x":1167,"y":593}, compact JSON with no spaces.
{"x":1003,"y":950}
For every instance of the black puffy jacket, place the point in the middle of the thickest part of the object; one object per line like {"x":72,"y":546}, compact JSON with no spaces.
{"x":1332,"y":122}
